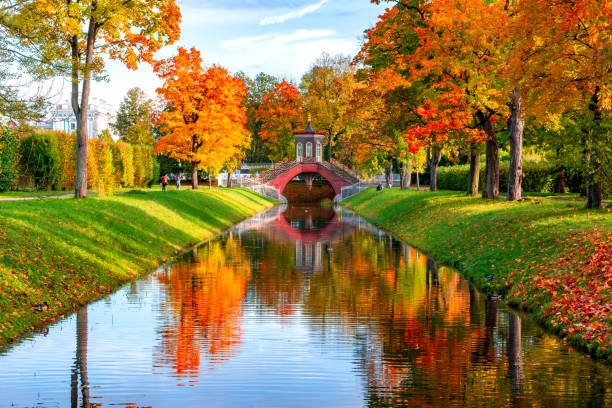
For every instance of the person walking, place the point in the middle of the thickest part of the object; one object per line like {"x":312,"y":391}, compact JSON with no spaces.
{"x":178,"y":181}
{"x":164,"y":182}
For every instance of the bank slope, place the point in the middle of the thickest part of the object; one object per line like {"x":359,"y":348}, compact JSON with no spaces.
{"x":551,"y":258}
{"x":69,"y":252}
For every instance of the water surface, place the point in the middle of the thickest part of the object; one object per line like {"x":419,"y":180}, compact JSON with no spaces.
{"x":299,"y":307}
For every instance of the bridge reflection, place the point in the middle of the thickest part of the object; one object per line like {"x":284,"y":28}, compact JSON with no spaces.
{"x":312,"y":231}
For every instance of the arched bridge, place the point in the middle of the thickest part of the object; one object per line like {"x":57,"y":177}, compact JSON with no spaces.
{"x":334,"y":172}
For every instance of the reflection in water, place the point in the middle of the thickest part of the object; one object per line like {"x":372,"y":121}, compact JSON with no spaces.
{"x":304,"y":306}
{"x":200,"y":316}
{"x":79,"y":371}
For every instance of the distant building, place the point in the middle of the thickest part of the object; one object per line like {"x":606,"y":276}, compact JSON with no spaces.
{"x":61,"y":117}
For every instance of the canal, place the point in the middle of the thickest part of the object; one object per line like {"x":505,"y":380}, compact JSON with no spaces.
{"x":299,"y":307}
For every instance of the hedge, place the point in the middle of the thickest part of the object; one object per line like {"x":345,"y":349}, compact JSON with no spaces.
{"x":9,"y":157}
{"x":39,"y":160}
{"x":47,"y":160}
{"x":539,"y":177}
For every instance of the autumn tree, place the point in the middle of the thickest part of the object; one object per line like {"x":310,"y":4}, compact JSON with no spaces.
{"x":378,"y":116}
{"x":327,"y":87}
{"x":76,"y":36}
{"x":257,"y":88}
{"x":134,"y":118}
{"x":21,"y":69}
{"x":560,"y":62}
{"x":204,"y":123}
{"x":280,"y":114}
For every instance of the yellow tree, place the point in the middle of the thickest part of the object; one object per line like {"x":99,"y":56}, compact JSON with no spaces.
{"x":204,"y":121}
{"x":328,"y":87}
{"x":74,"y":36}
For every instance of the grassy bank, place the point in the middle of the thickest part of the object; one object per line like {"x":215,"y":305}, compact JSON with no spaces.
{"x":551,"y":258}
{"x":68,"y":252}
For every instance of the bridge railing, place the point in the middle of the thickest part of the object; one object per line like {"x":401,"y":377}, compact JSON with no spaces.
{"x":267,"y":191}
{"x":351,"y":190}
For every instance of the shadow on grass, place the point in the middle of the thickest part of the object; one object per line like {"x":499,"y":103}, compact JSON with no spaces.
{"x":68,"y":252}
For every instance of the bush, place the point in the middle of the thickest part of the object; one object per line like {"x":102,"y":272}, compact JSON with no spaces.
{"x":539,"y":177}
{"x":139,"y":166}
{"x":106,"y":182}
{"x":39,"y":160}
{"x":126,"y":159}
{"x":93,"y":166}
{"x":9,"y":154}
{"x":66,"y":143}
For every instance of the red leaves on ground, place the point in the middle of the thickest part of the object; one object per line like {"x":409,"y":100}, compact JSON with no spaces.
{"x":576,"y":288}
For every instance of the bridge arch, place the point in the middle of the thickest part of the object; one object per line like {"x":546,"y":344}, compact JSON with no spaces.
{"x":281,"y":181}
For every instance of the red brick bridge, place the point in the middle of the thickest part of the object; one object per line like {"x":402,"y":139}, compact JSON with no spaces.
{"x":309,"y":163}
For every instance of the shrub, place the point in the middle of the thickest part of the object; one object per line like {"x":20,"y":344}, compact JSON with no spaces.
{"x":139,"y":166}
{"x":39,"y":160}
{"x":106,"y":181}
{"x":66,"y":143}
{"x":126,"y":158}
{"x":93,"y":166}
{"x":539,"y":177}
{"x":9,"y":154}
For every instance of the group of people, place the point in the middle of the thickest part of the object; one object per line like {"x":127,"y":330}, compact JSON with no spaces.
{"x":164,"y":181}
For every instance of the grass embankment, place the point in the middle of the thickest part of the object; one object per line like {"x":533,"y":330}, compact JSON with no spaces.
{"x":551,"y":258}
{"x":68,"y":252}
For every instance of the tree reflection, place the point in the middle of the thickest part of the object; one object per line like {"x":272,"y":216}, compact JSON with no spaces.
{"x":203,"y":308}
{"x":422,"y":336}
{"x":80,"y":364}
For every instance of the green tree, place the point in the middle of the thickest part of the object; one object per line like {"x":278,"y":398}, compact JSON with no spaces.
{"x":133,"y":122}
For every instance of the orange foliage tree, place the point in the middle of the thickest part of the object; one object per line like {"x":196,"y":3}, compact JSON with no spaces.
{"x":205,"y":119}
{"x":379,"y":113}
{"x":75,"y":36}
{"x":560,"y":62}
{"x":280,"y":113}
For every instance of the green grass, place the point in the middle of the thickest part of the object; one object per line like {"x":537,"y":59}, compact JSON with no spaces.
{"x":53,"y":193}
{"x":494,"y":243}
{"x":69,"y":252}
{"x":41,"y":193}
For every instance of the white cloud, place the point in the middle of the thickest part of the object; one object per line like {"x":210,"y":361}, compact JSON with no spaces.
{"x":293,"y":14}
{"x":284,"y":54}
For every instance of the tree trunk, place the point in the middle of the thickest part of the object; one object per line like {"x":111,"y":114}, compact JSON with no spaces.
{"x":389,"y":175}
{"x":491,"y":187}
{"x":433,"y":160}
{"x":194,"y":175}
{"x":402,"y":175}
{"x":209,"y":180}
{"x":515,"y":127}
{"x":417,"y":181}
{"x":560,"y":182}
{"x":229,"y":179}
{"x":474,"y":178}
{"x":595,"y":178}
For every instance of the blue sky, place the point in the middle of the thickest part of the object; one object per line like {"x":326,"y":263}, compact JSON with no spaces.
{"x":278,"y":37}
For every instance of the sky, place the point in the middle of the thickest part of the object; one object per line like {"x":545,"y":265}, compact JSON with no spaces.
{"x":279,"y":37}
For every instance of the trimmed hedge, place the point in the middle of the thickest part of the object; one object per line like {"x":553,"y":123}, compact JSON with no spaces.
{"x":39,"y":159}
{"x":9,"y":157}
{"x":539,"y":177}
{"x":47,"y":160}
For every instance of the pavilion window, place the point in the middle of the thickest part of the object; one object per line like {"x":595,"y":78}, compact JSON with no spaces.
{"x":300,"y":152}
{"x":308,"y":149}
